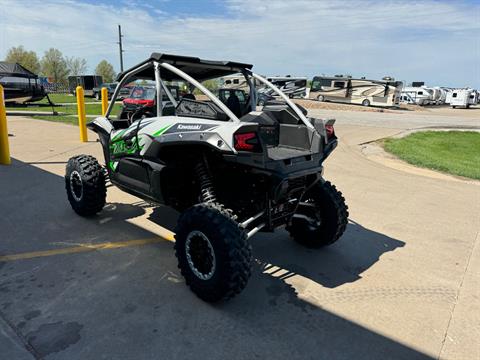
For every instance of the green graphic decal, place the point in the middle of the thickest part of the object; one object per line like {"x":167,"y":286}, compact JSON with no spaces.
{"x":122,"y":147}
{"x":116,"y":137}
{"x":113,"y":165}
{"x":161,"y":131}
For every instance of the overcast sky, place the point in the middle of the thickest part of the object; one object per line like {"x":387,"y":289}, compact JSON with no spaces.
{"x":433,"y":41}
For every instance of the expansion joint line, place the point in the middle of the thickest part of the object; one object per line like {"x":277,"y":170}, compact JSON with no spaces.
{"x":457,"y":295}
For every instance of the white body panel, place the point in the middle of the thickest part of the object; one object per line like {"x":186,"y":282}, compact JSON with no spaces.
{"x":420,"y":96}
{"x":460,"y":98}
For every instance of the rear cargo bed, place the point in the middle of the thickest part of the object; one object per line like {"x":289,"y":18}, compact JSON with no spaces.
{"x":285,"y":152}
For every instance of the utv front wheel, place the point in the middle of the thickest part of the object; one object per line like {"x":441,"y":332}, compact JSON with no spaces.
{"x":213,"y":252}
{"x":85,"y":185}
{"x":321,"y":217}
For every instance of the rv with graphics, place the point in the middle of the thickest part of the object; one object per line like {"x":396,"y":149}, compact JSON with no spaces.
{"x":417,"y":95}
{"x":439,"y":95}
{"x":293,"y":87}
{"x":385,"y":93}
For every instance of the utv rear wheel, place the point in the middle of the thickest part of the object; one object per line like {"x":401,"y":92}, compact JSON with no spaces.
{"x":321,"y":218}
{"x":213,"y":252}
{"x":85,"y":185}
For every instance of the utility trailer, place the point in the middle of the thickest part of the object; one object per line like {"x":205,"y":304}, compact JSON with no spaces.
{"x":88,"y":82}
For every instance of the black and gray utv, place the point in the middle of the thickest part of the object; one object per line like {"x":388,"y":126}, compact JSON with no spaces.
{"x":229,"y":176}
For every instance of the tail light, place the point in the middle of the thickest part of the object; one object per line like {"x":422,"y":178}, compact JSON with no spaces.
{"x":330,"y":131}
{"x":247,"y":142}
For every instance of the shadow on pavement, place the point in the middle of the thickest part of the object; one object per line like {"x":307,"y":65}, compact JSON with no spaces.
{"x":358,"y":249}
{"x":132,"y":303}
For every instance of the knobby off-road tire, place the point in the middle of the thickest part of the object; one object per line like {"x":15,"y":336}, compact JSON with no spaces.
{"x":85,"y":185}
{"x":326,"y":205}
{"x":214,"y":255}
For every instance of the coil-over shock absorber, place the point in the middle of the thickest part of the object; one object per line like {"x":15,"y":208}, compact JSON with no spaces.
{"x":207,"y":192}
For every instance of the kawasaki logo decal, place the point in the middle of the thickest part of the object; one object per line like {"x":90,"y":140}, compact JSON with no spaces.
{"x":189,"y":127}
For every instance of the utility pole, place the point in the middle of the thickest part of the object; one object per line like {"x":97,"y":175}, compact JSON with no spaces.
{"x":120,"y":46}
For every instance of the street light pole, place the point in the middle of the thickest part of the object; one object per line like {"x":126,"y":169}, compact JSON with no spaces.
{"x":120,"y":46}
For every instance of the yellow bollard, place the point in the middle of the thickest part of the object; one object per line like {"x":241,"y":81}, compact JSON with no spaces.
{"x":104,"y":101}
{"x":4,"y":148}
{"x":82,"y":118}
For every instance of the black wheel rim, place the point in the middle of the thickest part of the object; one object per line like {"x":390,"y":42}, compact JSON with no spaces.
{"x":76,"y":185}
{"x":200,"y":255}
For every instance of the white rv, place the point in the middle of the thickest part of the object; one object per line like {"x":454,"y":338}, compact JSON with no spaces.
{"x":385,"y":93}
{"x":405,"y":98}
{"x":462,"y":98}
{"x":293,"y":87}
{"x":474,"y":97}
{"x":438,"y":95}
{"x":235,"y":81}
{"x":418,"y":95}
{"x":448,"y":98}
{"x":443,"y":95}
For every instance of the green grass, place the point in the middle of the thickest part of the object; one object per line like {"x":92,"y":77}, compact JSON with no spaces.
{"x":64,"y":98}
{"x":453,"y":152}
{"x":90,"y":109}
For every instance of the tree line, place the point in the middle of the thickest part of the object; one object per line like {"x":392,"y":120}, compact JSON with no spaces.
{"x":56,"y":66}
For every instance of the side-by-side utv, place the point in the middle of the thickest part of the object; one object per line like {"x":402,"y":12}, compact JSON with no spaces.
{"x":229,"y":176}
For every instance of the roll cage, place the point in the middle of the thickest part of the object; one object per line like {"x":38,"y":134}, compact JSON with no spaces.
{"x":165,"y":67}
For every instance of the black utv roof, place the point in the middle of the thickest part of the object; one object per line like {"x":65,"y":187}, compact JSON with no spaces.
{"x":197,"y":68}
{"x":14,"y":69}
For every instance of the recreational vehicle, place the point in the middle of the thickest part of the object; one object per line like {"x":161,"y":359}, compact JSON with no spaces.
{"x":443,"y":96}
{"x":474,"y":97}
{"x":365,"y":92}
{"x":418,"y":95}
{"x":462,"y":98}
{"x":293,"y":87}
{"x":436,"y":93}
{"x":235,"y":81}
{"x":448,"y":97}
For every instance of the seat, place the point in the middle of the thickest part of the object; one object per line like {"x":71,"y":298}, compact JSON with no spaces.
{"x":233,"y":103}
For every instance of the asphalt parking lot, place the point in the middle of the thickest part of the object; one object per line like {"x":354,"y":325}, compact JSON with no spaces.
{"x":402,"y":283}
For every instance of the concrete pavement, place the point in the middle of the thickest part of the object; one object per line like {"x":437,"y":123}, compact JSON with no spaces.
{"x":402,"y":283}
